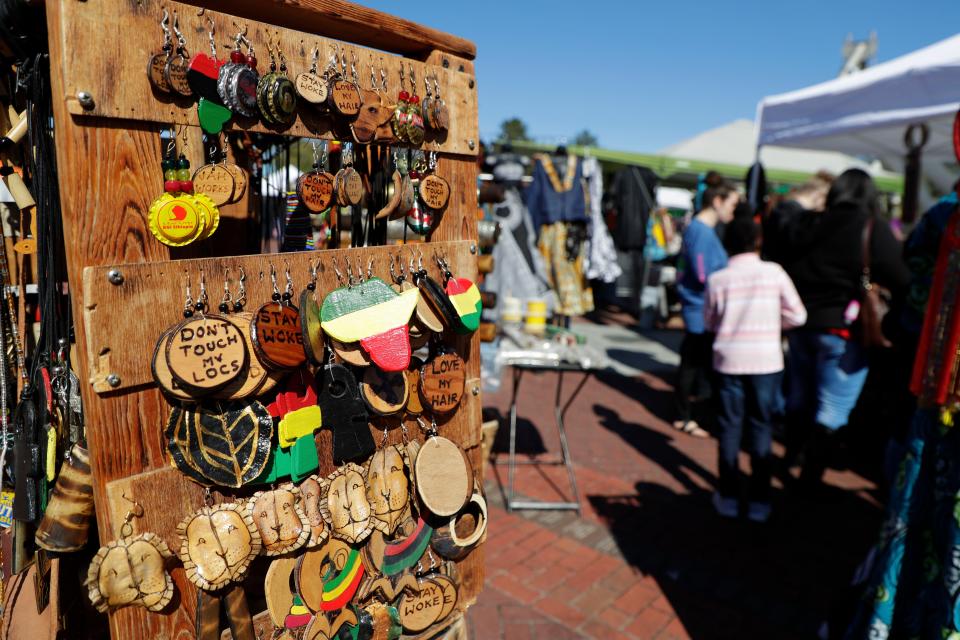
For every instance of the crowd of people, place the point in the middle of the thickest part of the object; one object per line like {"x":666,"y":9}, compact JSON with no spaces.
{"x":782,"y":314}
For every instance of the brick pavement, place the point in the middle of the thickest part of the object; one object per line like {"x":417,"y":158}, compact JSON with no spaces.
{"x":649,"y":558}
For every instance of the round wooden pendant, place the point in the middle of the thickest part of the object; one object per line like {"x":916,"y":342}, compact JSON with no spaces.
{"x":277,"y":337}
{"x":385,"y":393}
{"x":414,"y":405}
{"x":155,"y":71}
{"x":312,"y":88}
{"x":352,"y":185}
{"x":444,"y":478}
{"x":161,"y":370}
{"x":345,"y":96}
{"x":175,"y":73}
{"x":420,"y":610}
{"x":351,"y":353}
{"x":254,"y":375}
{"x":215,"y":182}
{"x":310,"y":327}
{"x":442,"y":381}
{"x":434,"y":191}
{"x":239,"y":180}
{"x":206,"y":353}
{"x":315,"y":190}
{"x":450,"y":595}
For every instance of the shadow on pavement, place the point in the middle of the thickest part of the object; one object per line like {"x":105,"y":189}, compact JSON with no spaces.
{"x":734,"y":578}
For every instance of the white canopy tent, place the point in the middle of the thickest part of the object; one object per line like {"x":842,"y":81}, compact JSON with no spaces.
{"x":867,"y":113}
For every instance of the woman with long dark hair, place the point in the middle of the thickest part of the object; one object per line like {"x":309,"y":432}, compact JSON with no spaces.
{"x":701,"y":254}
{"x":827,"y":364}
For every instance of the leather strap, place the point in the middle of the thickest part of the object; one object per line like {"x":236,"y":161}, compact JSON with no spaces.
{"x":238,"y":613}
{"x":208,"y":616}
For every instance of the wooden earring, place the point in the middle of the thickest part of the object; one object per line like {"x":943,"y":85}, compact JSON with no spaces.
{"x":442,"y":474}
{"x":346,"y":507}
{"x":280,"y":519}
{"x":277,"y":336}
{"x":131,"y":571}
{"x":218,"y":544}
{"x":388,"y":491}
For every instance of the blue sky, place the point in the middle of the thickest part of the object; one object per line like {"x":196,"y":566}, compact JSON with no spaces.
{"x":642,"y":74}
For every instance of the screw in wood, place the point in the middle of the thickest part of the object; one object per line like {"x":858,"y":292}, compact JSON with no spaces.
{"x":115,"y":277}
{"x":471,"y":144}
{"x":475,"y":391}
{"x":85,"y":99}
{"x":113,"y":380}
{"x":473,"y":249}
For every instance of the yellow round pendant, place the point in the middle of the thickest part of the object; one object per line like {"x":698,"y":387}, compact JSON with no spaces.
{"x":176,"y":220}
{"x":211,"y":214}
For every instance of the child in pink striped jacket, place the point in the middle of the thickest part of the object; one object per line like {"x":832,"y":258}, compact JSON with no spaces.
{"x":749,"y":303}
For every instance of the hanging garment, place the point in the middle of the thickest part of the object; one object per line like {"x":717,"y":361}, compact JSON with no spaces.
{"x":556,"y":194}
{"x":520,"y":269}
{"x":632,"y":197}
{"x":601,"y":255}
{"x":563,"y":247}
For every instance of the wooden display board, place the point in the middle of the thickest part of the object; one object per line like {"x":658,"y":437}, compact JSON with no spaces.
{"x":108,"y":154}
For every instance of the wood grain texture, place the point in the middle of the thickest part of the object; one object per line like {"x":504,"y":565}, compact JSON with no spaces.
{"x":352,"y":22}
{"x":443,"y":476}
{"x":113,"y":71}
{"x":152,"y":292}
{"x":110,"y":173}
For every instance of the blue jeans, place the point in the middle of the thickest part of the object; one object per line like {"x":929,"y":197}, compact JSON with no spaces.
{"x":751,"y":399}
{"x":826,"y":376}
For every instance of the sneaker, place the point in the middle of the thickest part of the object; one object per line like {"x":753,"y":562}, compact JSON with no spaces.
{"x":726,"y":507}
{"x":759,"y":511}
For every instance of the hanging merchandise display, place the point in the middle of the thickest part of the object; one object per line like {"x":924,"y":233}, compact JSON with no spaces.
{"x":254,"y":460}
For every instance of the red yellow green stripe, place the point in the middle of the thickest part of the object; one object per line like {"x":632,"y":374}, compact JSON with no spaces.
{"x":341,"y":589}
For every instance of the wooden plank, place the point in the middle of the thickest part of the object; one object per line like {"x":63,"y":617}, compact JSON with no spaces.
{"x":350,"y":21}
{"x":122,"y":322}
{"x":112,"y":70}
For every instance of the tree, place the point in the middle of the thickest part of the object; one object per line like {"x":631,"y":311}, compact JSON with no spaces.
{"x":585,"y":139}
{"x":513,"y":130}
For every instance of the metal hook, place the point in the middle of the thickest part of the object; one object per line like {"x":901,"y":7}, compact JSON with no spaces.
{"x":336,"y":270}
{"x":188,"y":302}
{"x":273,"y":281}
{"x":393,"y":273}
{"x":349,"y":273}
{"x":210,"y":34}
{"x":370,"y":269}
{"x":241,"y":299}
{"x":288,"y":292}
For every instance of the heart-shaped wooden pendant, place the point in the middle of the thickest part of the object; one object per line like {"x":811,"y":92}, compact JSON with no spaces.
{"x":212,"y":116}
{"x":206,"y":353}
{"x":277,"y":336}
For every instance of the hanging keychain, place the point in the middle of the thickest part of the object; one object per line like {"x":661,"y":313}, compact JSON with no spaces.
{"x":131,"y":570}
{"x":177,"y":217}
{"x":175,"y":71}
{"x":157,"y":65}
{"x":364,"y":128}
{"x":344,"y":93}
{"x":400,"y":111}
{"x":414,"y":120}
{"x":464,"y":296}
{"x":418,"y":219}
{"x":254,"y":376}
{"x":207,"y":351}
{"x":311,"y":86}
{"x":348,"y":183}
{"x":434,"y":190}
{"x":315,"y":188}
{"x":239,"y":79}
{"x":275,"y":329}
{"x":313,"y":345}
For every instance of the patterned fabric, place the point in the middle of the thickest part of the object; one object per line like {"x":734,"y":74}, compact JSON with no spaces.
{"x":913,"y":582}
{"x":574,"y":295}
{"x":601,"y":255}
{"x":748,"y":304}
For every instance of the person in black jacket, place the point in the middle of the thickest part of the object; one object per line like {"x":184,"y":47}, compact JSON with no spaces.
{"x":827,"y":365}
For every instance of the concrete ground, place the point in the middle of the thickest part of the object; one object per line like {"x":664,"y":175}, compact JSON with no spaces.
{"x":649,"y":558}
